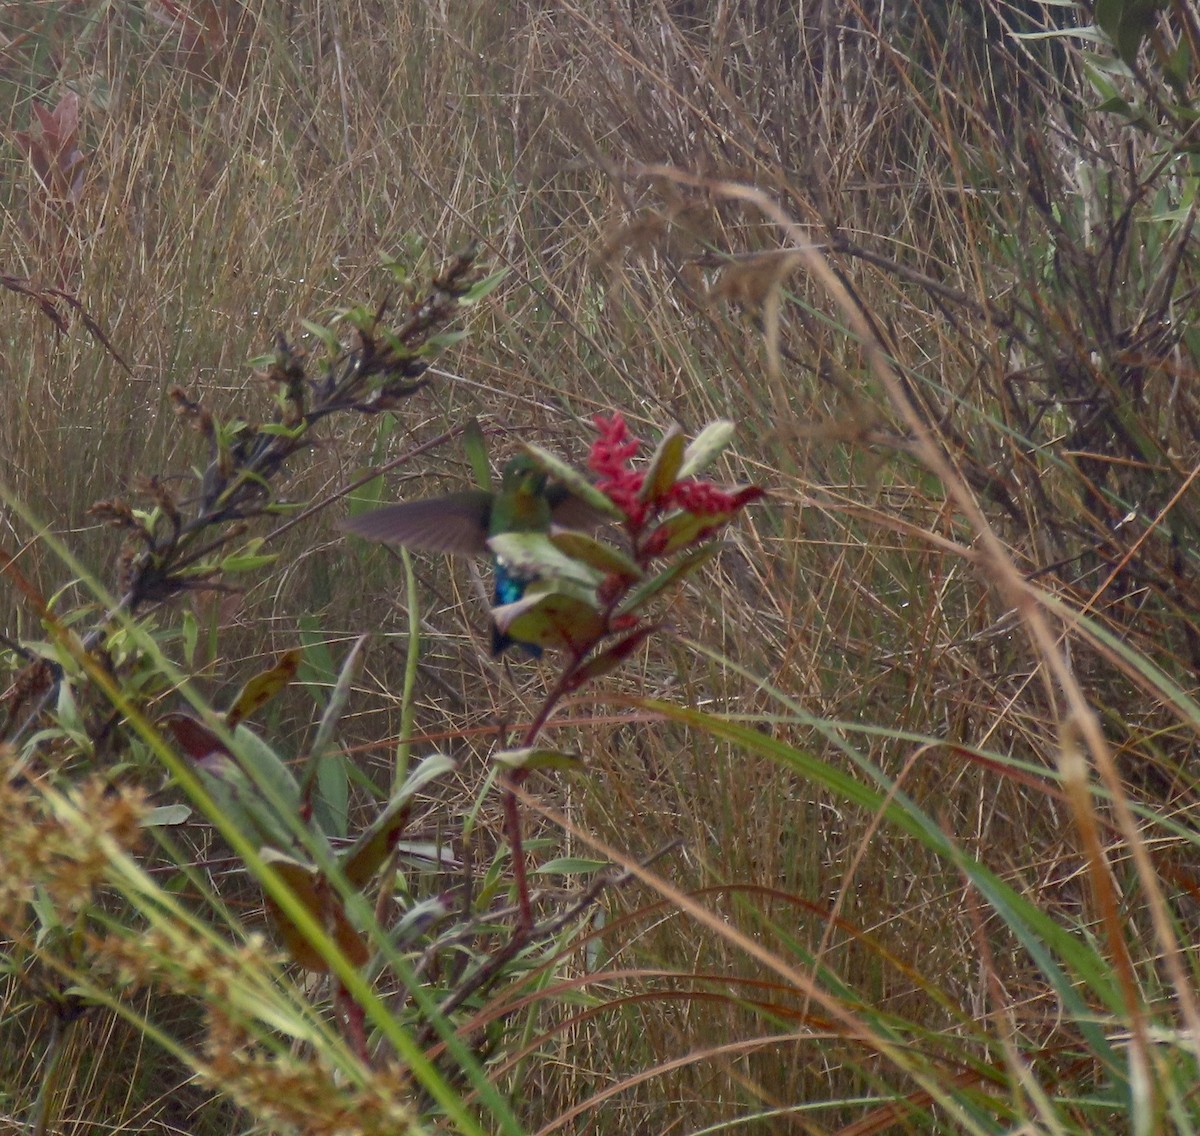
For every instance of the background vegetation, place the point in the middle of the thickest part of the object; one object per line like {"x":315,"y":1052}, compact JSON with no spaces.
{"x":917,"y":755}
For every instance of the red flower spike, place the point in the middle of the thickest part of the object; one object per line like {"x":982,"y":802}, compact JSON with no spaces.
{"x":609,"y":461}
{"x":613,"y":449}
{"x":703,"y":498}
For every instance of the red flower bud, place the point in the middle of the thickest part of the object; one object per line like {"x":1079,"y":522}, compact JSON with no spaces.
{"x":656,"y":542}
{"x":610,"y":587}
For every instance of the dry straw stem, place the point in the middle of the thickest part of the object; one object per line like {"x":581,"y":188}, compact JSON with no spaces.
{"x":997,"y":566}
{"x":854,"y":1027}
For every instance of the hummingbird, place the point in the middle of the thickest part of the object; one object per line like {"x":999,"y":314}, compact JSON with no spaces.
{"x":527,"y":501}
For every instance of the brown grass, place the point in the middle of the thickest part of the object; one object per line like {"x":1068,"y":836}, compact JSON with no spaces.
{"x":249,"y":176}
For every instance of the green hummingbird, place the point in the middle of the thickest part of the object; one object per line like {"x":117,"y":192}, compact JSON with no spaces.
{"x":527,"y":501}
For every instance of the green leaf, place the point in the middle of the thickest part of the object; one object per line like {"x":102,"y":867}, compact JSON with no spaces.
{"x":417,"y":920}
{"x":47,"y":915}
{"x":436,"y":344}
{"x":572,"y":480}
{"x":648,"y":589}
{"x":366,"y":855}
{"x":190,"y":632}
{"x":66,"y":712}
{"x":1086,"y":33}
{"x":326,"y":335}
{"x":551,"y":619}
{"x":1127,"y":23}
{"x":240,"y":802}
{"x":706,"y":447}
{"x":165,"y":816}
{"x":1035,"y":929}
{"x":260,"y":689}
{"x":369,"y":495}
{"x":603,"y":557}
{"x":475,"y":445}
{"x":570,"y":866}
{"x":664,"y":467}
{"x":535,"y":554}
{"x":266,"y":767}
{"x":338,"y":698}
{"x":488,"y":284}
{"x":248,"y":558}
{"x":533,"y":757}
{"x":316,"y":667}
{"x":1178,"y":68}
{"x":332,"y":802}
{"x":426,"y":854}
{"x":279,"y":430}
{"x":684,"y":529}
{"x":1115,"y":105}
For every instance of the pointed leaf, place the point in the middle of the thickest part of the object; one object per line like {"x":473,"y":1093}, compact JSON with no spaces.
{"x":240,"y":802}
{"x":429,"y":769}
{"x":190,"y":632}
{"x":573,"y":481}
{"x":192,"y":736}
{"x":263,"y":687}
{"x":348,"y":938}
{"x":603,"y":557}
{"x":331,"y":802}
{"x":584,"y":592}
{"x":316,"y":668}
{"x":266,"y":768}
{"x":477,"y":291}
{"x":164,"y":816}
{"x":706,"y":447}
{"x":648,"y":589}
{"x":533,"y":757}
{"x":248,"y":559}
{"x":612,"y":657}
{"x":366,"y":855}
{"x":550,"y":619}
{"x":570,"y":866}
{"x":323,"y":904}
{"x":533,"y":554}
{"x":664,"y":467}
{"x":338,"y":698}
{"x":326,"y":335}
{"x":570,"y":512}
{"x":475,"y":445}
{"x":683,"y":529}
{"x":302,"y":879}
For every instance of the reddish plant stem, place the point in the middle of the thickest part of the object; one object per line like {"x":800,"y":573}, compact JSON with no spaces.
{"x":512,"y":813}
{"x":512,"y":822}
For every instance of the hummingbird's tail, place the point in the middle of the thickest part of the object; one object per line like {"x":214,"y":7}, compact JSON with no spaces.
{"x":502,"y":642}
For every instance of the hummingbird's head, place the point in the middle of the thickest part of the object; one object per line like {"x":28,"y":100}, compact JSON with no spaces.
{"x":523,"y":475}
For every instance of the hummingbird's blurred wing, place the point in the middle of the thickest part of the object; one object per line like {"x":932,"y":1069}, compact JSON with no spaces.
{"x":571,"y":512}
{"x":457,"y":522}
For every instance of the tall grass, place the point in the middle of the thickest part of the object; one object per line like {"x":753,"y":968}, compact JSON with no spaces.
{"x":925,"y":735}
